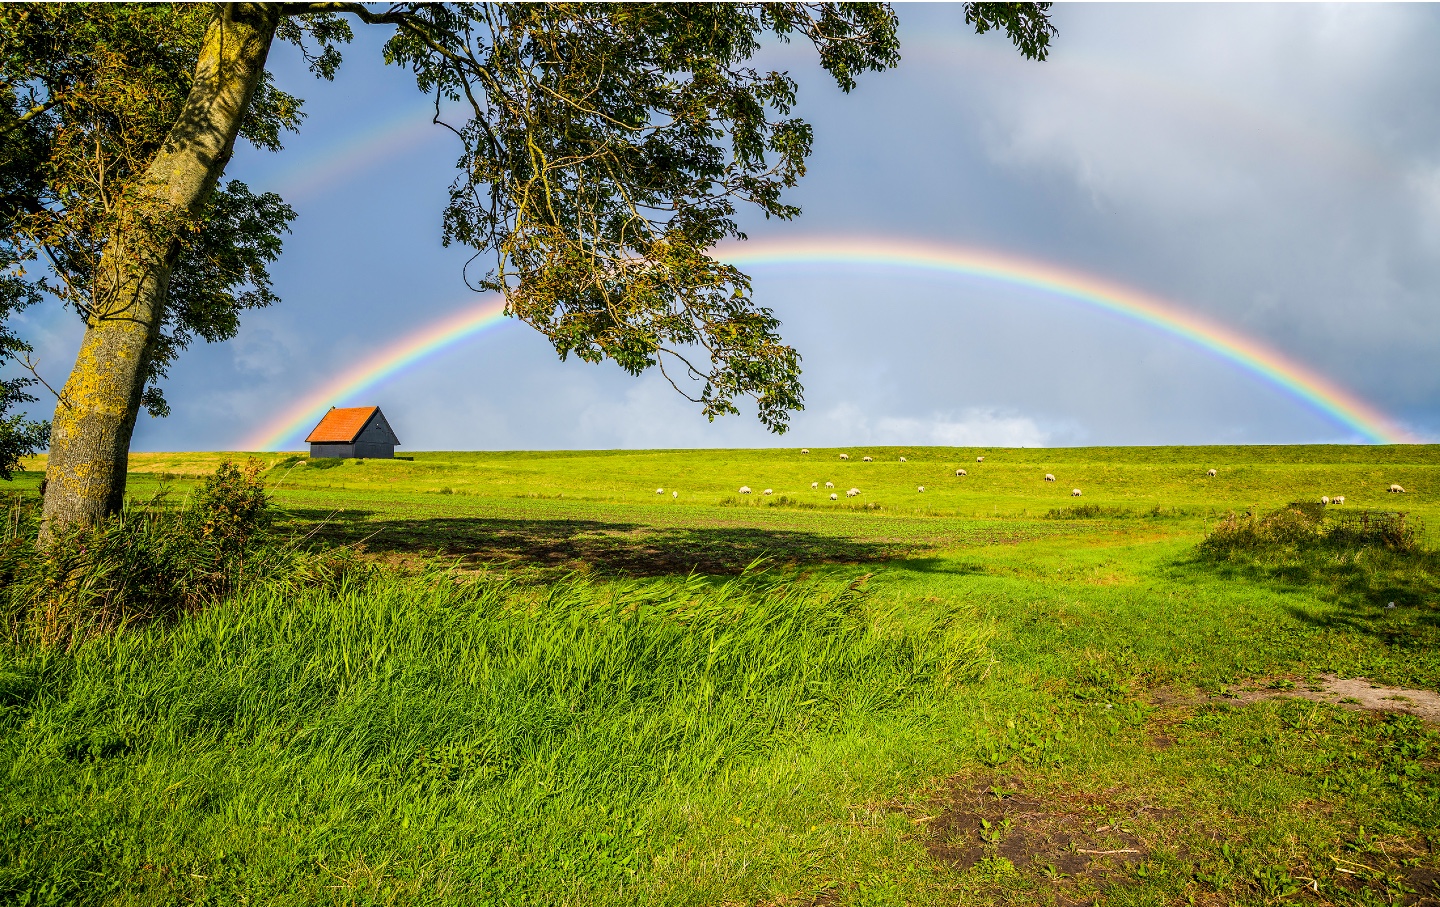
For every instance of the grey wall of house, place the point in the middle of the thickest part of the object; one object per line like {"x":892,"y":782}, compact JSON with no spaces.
{"x":362,"y":450}
{"x":374,"y":450}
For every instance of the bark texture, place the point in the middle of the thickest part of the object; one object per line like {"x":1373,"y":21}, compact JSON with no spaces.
{"x":90,"y":437}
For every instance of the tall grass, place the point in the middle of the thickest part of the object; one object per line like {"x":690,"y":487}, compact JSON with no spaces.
{"x":419,"y":739}
{"x":156,"y":559}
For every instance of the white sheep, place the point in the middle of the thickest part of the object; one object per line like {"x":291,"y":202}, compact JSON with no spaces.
{"x":961,"y":473}
{"x":768,"y":491}
{"x":867,"y":459}
{"x":674,"y":494}
{"x":814,"y":485}
{"x":1396,"y":489}
{"x":829,"y":484}
{"x":744,"y":489}
{"x":1049,"y":477}
{"x":852,"y":492}
{"x":1338,"y":499}
{"x":902,"y":459}
{"x":804,"y":450}
{"x":659,"y":491}
{"x":979,"y":459}
{"x":1212,"y":473}
{"x":1324,"y":499}
{"x":844,"y":456}
{"x":921,"y":488}
{"x":1074,"y":492}
{"x":834,"y":497}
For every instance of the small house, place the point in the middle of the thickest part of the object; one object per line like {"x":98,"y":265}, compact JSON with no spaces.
{"x":360,"y":432}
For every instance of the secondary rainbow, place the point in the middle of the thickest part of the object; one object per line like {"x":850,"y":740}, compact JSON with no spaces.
{"x":1272,"y":367}
{"x":380,"y":366}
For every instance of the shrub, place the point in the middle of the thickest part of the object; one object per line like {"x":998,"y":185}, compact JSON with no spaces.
{"x":1087,"y":512}
{"x":1299,"y":527}
{"x":231,"y":506}
{"x":153,"y":560}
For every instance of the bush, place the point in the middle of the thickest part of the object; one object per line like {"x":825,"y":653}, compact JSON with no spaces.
{"x":1302,"y":526}
{"x":153,"y":560}
{"x":1087,"y":512}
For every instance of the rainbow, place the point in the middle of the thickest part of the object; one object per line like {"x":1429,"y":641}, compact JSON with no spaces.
{"x":387,"y":363}
{"x":1225,"y":343}
{"x":1246,"y":352}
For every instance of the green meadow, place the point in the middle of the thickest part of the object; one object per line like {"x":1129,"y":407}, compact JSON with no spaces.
{"x":546,"y":683}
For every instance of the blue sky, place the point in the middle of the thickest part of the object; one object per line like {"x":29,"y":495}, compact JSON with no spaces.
{"x":1275,"y":168}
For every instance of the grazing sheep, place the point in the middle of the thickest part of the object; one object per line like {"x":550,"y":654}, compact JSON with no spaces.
{"x":979,"y":459}
{"x":834,"y":496}
{"x":744,"y":489}
{"x":961,"y":473}
{"x":659,"y":491}
{"x":844,"y":456}
{"x":814,"y":485}
{"x":768,"y":491}
{"x":1396,"y":489}
{"x":1212,"y":473}
{"x":804,"y":450}
{"x":867,"y":459}
{"x":902,"y":459}
{"x":1338,"y":499}
{"x":674,"y":494}
{"x":1324,"y":499}
{"x":852,"y":492}
{"x":921,"y":488}
{"x":1074,"y":492}
{"x":1049,"y":477}
{"x":829,"y":484}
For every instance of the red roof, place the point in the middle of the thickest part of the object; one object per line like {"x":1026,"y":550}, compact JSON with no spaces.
{"x":341,"y":426}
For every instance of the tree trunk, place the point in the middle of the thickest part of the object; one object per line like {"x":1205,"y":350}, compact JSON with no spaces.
{"x":90,"y":437}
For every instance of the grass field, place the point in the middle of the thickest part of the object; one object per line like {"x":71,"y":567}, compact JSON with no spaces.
{"x":564,"y":688}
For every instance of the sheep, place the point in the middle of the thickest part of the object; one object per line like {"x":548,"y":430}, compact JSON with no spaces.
{"x":768,"y":491}
{"x":867,"y":459}
{"x":1074,"y":492}
{"x":829,"y":484}
{"x":814,"y":485}
{"x":659,"y":491}
{"x":1338,"y":499}
{"x":844,"y":456}
{"x":834,"y":496}
{"x":960,"y":473}
{"x":979,"y":459}
{"x":1396,"y":489}
{"x":674,"y":494}
{"x":804,"y":450}
{"x":1049,"y":477}
{"x":902,"y":459}
{"x":852,"y":492}
{"x":921,"y":489}
{"x":744,"y":489}
{"x":1324,"y":500}
{"x":1212,"y":473}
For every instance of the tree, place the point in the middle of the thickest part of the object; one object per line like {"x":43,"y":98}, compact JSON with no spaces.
{"x":19,"y":436}
{"x":605,"y":150}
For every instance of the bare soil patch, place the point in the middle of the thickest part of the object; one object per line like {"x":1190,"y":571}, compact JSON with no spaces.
{"x":1075,"y":844}
{"x":1355,"y":693}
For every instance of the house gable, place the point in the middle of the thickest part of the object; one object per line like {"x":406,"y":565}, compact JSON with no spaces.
{"x":358,"y":431}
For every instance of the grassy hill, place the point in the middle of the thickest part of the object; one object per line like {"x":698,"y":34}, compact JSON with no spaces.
{"x":561,"y":687}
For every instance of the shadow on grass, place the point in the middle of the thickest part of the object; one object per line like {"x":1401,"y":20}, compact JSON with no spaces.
{"x":628,"y":548}
{"x":941,"y":565}
{"x":1358,"y":584}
